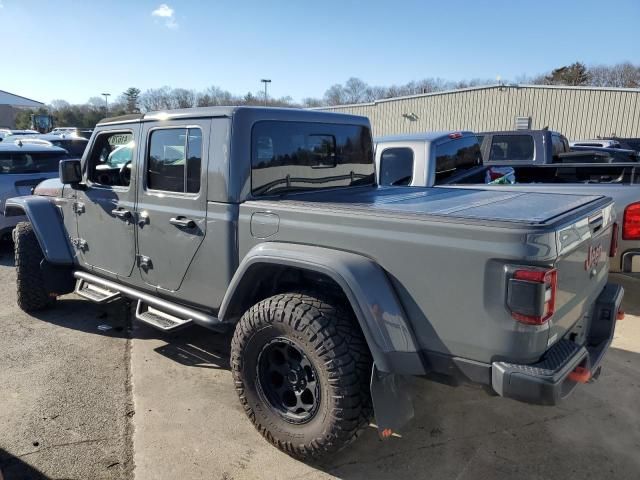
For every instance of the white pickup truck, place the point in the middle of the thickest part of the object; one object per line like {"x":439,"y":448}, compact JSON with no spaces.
{"x":454,"y":159}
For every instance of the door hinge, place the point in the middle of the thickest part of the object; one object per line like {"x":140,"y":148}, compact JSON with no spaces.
{"x":144,"y":262}
{"x":80,"y":243}
{"x":78,"y":207}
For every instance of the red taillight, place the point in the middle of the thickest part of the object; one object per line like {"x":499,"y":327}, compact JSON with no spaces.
{"x":613,"y":248}
{"x":548,"y":279}
{"x":631,"y":225}
{"x":455,"y":135}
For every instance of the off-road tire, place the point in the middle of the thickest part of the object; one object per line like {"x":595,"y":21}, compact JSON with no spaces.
{"x":331,"y":338}
{"x":31,"y":291}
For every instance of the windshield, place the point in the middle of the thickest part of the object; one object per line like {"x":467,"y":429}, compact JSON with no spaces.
{"x":120,"y":155}
{"x":34,"y":162}
{"x":290,"y":156}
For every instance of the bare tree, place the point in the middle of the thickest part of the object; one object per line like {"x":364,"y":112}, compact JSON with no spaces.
{"x":182,"y":98}
{"x":335,"y":95}
{"x":156,"y":99}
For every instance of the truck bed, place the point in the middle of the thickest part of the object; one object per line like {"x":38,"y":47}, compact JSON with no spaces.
{"x":451,"y":204}
{"x":446,"y":251}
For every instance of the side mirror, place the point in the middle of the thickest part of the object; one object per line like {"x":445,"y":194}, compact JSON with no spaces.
{"x":70,"y":172}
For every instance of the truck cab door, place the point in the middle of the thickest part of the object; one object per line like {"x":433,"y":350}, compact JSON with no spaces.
{"x":104,"y":208}
{"x":172,"y":200}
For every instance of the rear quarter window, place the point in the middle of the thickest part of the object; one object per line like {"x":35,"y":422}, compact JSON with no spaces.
{"x":296,"y":156}
{"x":396,"y":166}
{"x":456,"y":156}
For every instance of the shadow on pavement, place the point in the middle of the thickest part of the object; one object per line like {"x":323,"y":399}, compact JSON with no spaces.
{"x":193,"y":346}
{"x":12,"y":468}
{"x":6,"y":254}
{"x":197,"y":347}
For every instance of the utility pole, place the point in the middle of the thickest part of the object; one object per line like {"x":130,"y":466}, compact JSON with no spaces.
{"x":265,"y":81}
{"x":106,"y":102}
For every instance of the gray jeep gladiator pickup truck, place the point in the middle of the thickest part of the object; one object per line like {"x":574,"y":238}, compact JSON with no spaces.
{"x":270,"y":222}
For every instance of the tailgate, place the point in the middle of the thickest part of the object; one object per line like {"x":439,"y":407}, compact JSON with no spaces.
{"x":583,"y":268}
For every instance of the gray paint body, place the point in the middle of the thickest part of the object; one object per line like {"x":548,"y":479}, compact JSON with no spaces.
{"x":424,"y":269}
{"x":627,"y":259}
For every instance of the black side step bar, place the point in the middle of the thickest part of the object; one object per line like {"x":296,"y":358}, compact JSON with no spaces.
{"x":198,"y":317}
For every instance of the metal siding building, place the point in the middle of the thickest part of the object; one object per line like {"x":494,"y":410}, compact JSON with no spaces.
{"x":9,"y":105}
{"x":577,"y":112}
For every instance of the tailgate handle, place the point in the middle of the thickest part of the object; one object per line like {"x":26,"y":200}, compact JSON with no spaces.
{"x":595,"y":223}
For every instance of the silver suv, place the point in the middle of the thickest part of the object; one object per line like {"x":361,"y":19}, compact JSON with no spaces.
{"x":22,"y":167}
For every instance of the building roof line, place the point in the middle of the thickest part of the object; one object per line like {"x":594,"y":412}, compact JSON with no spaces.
{"x":21,"y":97}
{"x":483,"y":87}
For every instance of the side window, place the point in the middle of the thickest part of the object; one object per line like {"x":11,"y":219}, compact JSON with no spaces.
{"x":174,"y":160}
{"x":511,"y":147}
{"x":557,"y":146}
{"x":110,"y":159}
{"x":456,"y":156}
{"x":396,"y":166}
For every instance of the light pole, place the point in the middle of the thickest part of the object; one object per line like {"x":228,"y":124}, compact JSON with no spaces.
{"x":265,"y":81}
{"x":106,"y":102}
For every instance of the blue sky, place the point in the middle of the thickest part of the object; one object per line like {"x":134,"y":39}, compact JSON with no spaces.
{"x":74,"y":50}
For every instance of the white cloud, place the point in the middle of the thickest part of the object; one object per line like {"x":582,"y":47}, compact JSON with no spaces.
{"x":167,"y":13}
{"x":163,"y":10}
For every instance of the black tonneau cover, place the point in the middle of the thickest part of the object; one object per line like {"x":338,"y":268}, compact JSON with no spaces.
{"x":455,"y":203}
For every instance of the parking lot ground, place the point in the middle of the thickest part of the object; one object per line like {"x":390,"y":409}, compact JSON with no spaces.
{"x":77,"y":402}
{"x":189,"y":424}
{"x":64,"y":389}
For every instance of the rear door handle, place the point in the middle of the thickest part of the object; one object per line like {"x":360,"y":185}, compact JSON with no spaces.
{"x":182,"y":222}
{"x":121,"y":213}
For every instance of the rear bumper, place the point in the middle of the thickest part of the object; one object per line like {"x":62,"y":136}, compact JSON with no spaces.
{"x":548,"y":381}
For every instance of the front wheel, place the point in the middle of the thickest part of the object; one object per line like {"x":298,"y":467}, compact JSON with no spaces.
{"x":301,"y":368}
{"x":31,"y":290}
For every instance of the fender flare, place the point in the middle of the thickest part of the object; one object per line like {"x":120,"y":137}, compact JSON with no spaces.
{"x":47,"y":224}
{"x":381,"y":316}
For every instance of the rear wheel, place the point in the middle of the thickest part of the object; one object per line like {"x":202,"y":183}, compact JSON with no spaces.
{"x":31,"y":290}
{"x":301,"y":368}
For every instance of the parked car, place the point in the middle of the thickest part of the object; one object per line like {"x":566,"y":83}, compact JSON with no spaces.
{"x":450,"y":159}
{"x":72,"y":144}
{"x":530,"y":147}
{"x":75,"y":131}
{"x":21,"y":169}
{"x":270,"y":222}
{"x":598,"y":143}
{"x":4,"y":133}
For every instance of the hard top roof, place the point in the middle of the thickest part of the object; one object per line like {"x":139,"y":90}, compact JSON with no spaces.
{"x":229,"y":111}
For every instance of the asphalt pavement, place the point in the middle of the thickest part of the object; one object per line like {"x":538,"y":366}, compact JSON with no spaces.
{"x":86,"y":395}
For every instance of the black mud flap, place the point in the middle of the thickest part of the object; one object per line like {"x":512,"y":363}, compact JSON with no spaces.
{"x":392,"y":403}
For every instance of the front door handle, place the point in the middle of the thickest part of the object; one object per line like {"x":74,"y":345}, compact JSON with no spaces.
{"x":121,"y":213}
{"x":182,"y":222}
